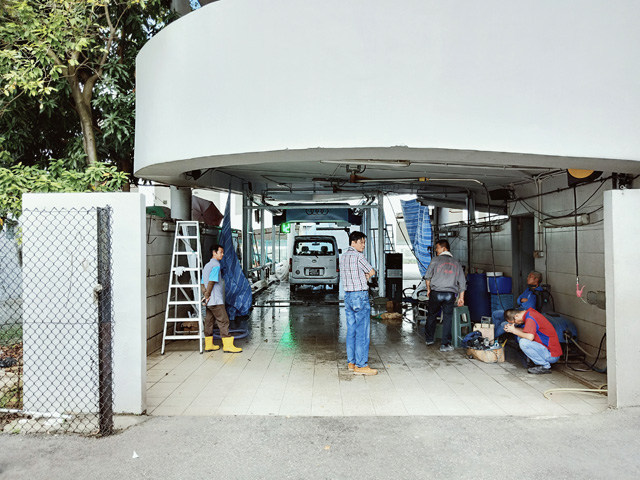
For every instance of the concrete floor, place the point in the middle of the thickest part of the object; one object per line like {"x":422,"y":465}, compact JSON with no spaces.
{"x":294,"y":364}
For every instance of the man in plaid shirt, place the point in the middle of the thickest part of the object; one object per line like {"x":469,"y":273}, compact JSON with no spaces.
{"x":354,"y":273}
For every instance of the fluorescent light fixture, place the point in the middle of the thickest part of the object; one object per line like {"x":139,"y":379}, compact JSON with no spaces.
{"x":566,"y":221}
{"x":481,"y":166}
{"x":370,"y":162}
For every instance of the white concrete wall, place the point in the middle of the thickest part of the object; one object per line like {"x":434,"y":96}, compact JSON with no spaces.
{"x":621,"y":232}
{"x":559,"y":262}
{"x":545,"y":77}
{"x":129,"y":288}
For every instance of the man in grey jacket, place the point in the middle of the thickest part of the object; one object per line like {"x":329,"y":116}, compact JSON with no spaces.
{"x":444,"y":280}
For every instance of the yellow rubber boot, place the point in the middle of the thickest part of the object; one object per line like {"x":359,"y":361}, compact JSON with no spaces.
{"x":228,"y":346}
{"x":209,"y":346}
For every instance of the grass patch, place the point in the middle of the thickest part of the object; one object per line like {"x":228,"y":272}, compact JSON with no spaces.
{"x":12,"y":398}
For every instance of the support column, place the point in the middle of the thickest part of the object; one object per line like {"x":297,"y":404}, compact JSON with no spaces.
{"x":622,"y":256}
{"x":181,"y":203}
{"x":273,"y":246}
{"x":366,"y":229}
{"x":381,"y":231}
{"x":246,"y":237}
{"x":263,"y":254}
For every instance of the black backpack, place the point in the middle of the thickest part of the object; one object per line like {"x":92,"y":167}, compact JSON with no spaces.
{"x":544,"y":299}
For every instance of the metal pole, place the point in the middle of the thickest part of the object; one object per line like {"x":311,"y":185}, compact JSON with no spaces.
{"x":105,"y":341}
{"x":263,"y":254}
{"x":273,"y":245}
{"x":381,"y":227}
{"x":366,"y":229}
{"x":246,"y":238}
{"x":471,"y":217}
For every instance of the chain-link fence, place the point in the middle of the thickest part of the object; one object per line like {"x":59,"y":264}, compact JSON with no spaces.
{"x":56,"y":322}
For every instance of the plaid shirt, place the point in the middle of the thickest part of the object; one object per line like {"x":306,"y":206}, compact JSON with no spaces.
{"x":353,"y":266}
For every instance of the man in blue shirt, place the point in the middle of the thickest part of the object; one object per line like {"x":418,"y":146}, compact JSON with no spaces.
{"x":214,"y":300}
{"x":525,"y":301}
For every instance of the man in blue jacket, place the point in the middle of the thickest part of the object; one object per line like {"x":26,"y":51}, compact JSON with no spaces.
{"x":525,"y":301}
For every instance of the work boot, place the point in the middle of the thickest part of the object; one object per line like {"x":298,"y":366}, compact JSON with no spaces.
{"x":365,"y":371}
{"x":209,"y":345}
{"x":447,"y":348}
{"x":228,"y":346}
{"x":351,"y":366}
{"x":538,"y":370}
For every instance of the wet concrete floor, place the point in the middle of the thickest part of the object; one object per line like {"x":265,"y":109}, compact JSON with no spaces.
{"x":294,"y":364}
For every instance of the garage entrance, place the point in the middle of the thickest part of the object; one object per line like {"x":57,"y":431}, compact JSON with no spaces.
{"x":294,"y":363}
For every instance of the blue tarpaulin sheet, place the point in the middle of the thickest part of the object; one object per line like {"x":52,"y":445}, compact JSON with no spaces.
{"x":418,"y":222}
{"x":238,"y":296}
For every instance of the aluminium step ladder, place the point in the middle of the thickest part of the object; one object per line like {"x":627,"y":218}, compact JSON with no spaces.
{"x":184,"y":299}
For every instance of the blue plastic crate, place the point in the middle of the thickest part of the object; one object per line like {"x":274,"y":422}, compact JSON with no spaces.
{"x":501,"y":302}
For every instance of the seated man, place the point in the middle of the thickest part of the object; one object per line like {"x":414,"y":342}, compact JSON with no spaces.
{"x":538,"y":339}
{"x":525,"y":301}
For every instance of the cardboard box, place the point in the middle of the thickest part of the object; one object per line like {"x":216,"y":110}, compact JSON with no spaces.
{"x":485,"y":328}
{"x":487,"y":356}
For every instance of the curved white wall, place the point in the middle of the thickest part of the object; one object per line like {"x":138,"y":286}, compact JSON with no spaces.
{"x":543,"y":77}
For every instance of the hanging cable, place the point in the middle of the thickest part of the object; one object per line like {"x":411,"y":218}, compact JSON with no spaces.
{"x":493,"y":257}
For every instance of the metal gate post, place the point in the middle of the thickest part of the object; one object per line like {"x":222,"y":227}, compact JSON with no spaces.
{"x":105,"y":317}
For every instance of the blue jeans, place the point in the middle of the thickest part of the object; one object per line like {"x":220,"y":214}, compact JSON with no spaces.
{"x":358,"y":313}
{"x":538,"y":353}
{"x":438,"y":300}
{"x":498,"y":323}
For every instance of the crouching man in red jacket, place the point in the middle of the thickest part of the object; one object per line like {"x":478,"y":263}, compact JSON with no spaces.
{"x":537,"y":339}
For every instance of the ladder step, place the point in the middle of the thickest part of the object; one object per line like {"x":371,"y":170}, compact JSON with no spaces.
{"x":186,"y":236}
{"x":181,"y":285}
{"x":183,"y":302}
{"x":184,"y":253}
{"x":187,"y":319}
{"x":182,"y":337}
{"x":186,"y":269}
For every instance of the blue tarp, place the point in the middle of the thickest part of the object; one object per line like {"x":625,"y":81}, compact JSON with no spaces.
{"x":238,"y":296}
{"x":562,"y":324}
{"x":418,"y":222}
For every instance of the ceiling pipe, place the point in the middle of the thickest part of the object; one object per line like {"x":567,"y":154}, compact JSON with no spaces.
{"x":419,"y":179}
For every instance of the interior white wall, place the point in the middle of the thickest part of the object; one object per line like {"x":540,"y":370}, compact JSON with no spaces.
{"x":129,"y":287}
{"x":544,"y":77}
{"x":621,"y":232}
{"x":159,"y":248}
{"x":557,"y":261}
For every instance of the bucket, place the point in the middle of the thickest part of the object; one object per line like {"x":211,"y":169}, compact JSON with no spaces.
{"x":491,"y":275}
{"x":499,"y":285}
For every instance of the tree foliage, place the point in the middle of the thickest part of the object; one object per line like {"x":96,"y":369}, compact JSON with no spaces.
{"x":67,"y":72}
{"x":19,"y":179}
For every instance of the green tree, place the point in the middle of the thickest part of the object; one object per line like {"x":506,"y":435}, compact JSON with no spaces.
{"x":19,"y":179}
{"x":68,"y":75}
